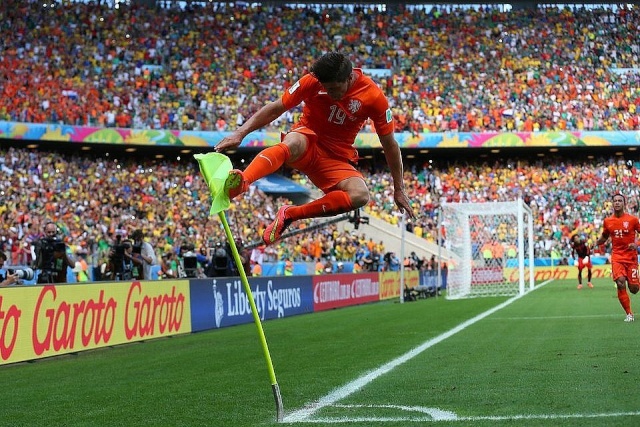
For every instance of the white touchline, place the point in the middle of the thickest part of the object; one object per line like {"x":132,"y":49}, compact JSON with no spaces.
{"x":346,"y":390}
{"x":422,"y":420}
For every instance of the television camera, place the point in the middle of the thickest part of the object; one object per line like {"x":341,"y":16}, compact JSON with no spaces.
{"x":50,"y":259}
{"x":122,"y":266}
{"x":51,"y":245}
{"x":120,"y":247}
{"x":188,"y":262}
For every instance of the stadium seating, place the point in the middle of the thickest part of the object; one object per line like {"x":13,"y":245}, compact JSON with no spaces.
{"x":445,"y":69}
{"x":169,"y":199}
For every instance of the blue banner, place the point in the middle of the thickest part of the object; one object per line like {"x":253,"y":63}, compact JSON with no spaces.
{"x":221,"y":301}
{"x":275,"y":183}
{"x":548,"y":262}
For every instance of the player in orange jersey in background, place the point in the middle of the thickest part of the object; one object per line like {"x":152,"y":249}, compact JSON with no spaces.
{"x":337,"y":99}
{"x":621,"y":228}
{"x":582,"y":254}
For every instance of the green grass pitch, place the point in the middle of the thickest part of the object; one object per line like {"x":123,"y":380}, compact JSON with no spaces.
{"x":556,"y":357}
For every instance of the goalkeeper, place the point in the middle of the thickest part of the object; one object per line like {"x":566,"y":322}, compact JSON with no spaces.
{"x":582,"y":254}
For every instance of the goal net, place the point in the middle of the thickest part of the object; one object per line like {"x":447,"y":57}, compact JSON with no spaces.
{"x":490,"y":247}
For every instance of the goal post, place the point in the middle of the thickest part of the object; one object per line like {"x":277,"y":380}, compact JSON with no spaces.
{"x":490,"y":247}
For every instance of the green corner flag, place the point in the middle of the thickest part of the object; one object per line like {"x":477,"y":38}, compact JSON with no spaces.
{"x":215,"y":168}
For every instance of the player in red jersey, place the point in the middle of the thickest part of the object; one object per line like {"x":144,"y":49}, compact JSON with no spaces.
{"x":622,"y":227}
{"x":582,"y":253}
{"x":338,"y":99}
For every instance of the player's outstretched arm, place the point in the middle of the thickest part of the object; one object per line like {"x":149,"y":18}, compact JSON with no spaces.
{"x":394,"y":161}
{"x":260,"y":119}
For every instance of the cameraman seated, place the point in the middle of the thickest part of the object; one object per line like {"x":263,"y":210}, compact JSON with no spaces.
{"x":6,"y":279}
{"x":123,"y":264}
{"x":52,"y":258}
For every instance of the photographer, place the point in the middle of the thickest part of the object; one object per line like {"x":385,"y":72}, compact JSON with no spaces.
{"x":52,"y":258}
{"x":122,"y":261}
{"x":143,"y":254}
{"x":6,"y":279}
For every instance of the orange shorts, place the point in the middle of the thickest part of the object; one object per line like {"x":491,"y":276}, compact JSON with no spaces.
{"x":323,"y":170}
{"x":628,"y":270}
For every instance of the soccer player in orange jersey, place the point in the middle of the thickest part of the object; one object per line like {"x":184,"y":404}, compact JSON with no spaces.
{"x":622,"y":227}
{"x":338,"y":99}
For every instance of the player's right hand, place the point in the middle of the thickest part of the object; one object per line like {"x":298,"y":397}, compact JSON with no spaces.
{"x":231,"y":141}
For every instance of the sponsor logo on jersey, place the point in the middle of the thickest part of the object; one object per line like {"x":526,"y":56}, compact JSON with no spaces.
{"x":389,"y":115}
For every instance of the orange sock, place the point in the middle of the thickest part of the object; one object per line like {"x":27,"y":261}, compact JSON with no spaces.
{"x":625,"y":302}
{"x":267,"y":161}
{"x":332,"y":203}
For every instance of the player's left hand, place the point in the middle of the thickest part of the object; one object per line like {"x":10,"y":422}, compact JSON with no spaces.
{"x":403,"y":203}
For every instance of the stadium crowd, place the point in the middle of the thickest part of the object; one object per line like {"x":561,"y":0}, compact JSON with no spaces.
{"x":87,"y":63}
{"x":92,"y":200}
{"x":567,"y":195}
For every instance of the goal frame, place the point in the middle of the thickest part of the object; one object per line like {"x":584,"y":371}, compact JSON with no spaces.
{"x":460,"y":251}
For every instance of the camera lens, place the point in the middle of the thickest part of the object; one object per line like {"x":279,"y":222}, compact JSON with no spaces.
{"x":25,"y":274}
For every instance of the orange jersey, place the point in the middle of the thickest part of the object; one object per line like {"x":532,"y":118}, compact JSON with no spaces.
{"x":622,"y":231}
{"x":338,"y":122}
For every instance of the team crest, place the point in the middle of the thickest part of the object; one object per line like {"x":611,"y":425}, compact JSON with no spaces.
{"x":625,"y":224}
{"x":354,"y":106}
